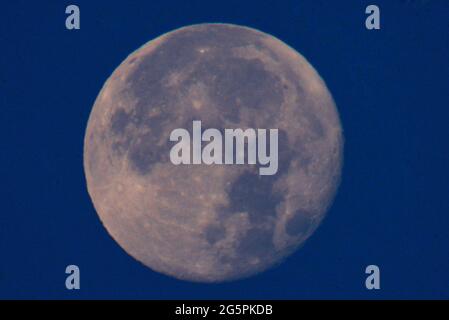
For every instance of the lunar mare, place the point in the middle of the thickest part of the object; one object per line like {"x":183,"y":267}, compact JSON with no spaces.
{"x":211,"y":223}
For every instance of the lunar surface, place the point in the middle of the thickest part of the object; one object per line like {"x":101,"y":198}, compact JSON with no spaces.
{"x":212,"y":223}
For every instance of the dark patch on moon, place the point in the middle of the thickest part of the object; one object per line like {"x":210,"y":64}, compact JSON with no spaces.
{"x":316,"y":126}
{"x":299,"y":223}
{"x":142,"y":147}
{"x":181,"y":51}
{"x":254,"y":194}
{"x":214,"y":233}
{"x":244,"y":83}
{"x":144,"y":153}
{"x":256,"y":243}
{"x":119,"y":121}
{"x":233,"y":82}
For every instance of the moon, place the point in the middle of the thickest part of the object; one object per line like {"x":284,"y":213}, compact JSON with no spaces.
{"x":212,"y":223}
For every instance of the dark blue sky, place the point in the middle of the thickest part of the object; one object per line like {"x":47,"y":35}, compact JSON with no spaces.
{"x":392,"y":90}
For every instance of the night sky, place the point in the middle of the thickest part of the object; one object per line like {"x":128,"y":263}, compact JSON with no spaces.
{"x":391,"y":87}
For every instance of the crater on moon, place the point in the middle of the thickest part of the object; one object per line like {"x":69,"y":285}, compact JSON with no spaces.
{"x":218,"y":222}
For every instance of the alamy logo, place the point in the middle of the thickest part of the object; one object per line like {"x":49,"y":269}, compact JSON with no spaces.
{"x":186,"y":151}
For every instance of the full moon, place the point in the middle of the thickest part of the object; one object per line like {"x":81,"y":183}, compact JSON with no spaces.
{"x":212,"y":223}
